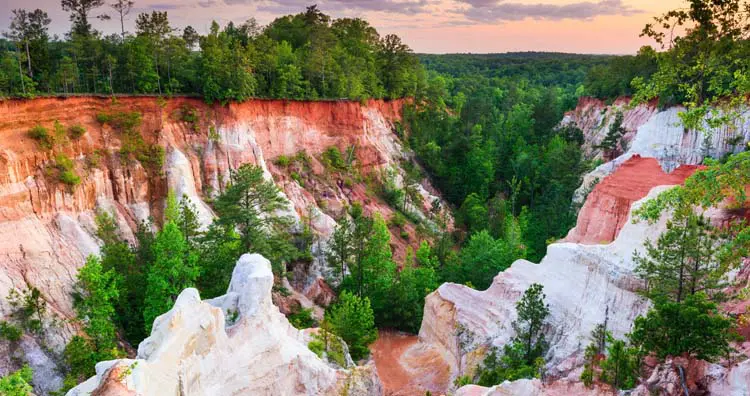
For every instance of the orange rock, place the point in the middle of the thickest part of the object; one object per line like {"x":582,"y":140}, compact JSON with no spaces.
{"x":606,"y":209}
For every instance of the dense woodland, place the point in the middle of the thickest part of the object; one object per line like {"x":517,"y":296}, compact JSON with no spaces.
{"x":484,"y":129}
{"x":303,"y":56}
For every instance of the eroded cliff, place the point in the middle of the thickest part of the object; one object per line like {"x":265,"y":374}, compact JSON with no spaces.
{"x":47,"y":227}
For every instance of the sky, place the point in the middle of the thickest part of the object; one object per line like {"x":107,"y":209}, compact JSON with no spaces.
{"x":428,"y":26}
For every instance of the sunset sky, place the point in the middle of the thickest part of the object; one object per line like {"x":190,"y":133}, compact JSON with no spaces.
{"x":432,"y":26}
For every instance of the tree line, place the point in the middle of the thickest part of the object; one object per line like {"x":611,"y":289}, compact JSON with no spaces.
{"x":304,"y":56}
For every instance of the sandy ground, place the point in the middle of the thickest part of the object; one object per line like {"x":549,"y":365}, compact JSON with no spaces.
{"x":405,"y":368}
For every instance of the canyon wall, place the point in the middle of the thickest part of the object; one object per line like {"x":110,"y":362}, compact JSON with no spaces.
{"x":48,"y":228}
{"x":587,"y":277}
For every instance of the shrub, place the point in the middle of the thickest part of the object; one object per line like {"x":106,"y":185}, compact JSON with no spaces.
{"x":190,"y":115}
{"x":102,"y":118}
{"x":353,"y":320}
{"x":397,"y":220}
{"x":76,"y":131}
{"x":296,"y":177}
{"x":302,"y":319}
{"x":333,"y":159}
{"x":282,"y":161}
{"x":41,"y":135}
{"x":10,"y":332}
{"x":18,"y":383}
{"x":66,"y":168}
{"x":317,"y":347}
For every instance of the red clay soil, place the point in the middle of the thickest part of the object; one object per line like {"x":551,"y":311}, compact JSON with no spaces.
{"x":607,"y":207}
{"x":387,"y":352}
{"x":407,"y":369}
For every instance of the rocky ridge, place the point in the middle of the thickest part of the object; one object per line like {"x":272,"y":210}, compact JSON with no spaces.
{"x":236,"y":344}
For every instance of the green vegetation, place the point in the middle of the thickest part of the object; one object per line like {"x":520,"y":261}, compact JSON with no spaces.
{"x":353,"y":320}
{"x":693,"y":327}
{"x":66,"y":170}
{"x":18,"y":383}
{"x":489,"y":141}
{"x":94,"y":298}
{"x":523,"y":356}
{"x":28,"y":308}
{"x":41,"y":135}
{"x":304,"y":56}
{"x":10,"y":332}
{"x":302,"y":319}
{"x":76,"y":131}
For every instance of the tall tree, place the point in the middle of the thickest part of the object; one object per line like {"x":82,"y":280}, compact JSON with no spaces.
{"x":27,"y":27}
{"x":340,"y":249}
{"x":174,"y":268}
{"x":532,"y":314}
{"x":79,"y":14}
{"x":95,"y":295}
{"x":684,"y":261}
{"x":122,"y":7}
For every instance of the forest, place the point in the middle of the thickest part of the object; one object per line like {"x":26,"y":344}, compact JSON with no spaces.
{"x":486,"y":131}
{"x":303,"y":56}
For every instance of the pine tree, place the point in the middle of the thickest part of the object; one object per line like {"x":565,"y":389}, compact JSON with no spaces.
{"x":352,"y":319}
{"x":684,"y":261}
{"x":532,"y":313}
{"x":612,"y":143}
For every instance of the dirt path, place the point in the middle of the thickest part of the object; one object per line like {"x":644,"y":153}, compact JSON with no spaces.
{"x":404,"y":369}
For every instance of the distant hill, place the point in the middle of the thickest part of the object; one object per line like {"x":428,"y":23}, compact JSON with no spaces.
{"x":548,"y":68}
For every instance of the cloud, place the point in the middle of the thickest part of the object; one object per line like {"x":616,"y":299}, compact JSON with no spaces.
{"x":407,"y":7}
{"x":499,"y":10}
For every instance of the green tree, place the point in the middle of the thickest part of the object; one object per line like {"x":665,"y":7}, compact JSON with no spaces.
{"x":340,"y":250}
{"x":353,"y":320}
{"x":174,"y":268}
{"x":251,"y":204}
{"x":684,"y":261}
{"x":694,"y":327}
{"x":620,"y":368}
{"x":79,"y":14}
{"x":95,"y":295}
{"x":612,"y":144}
{"x":532,"y":314}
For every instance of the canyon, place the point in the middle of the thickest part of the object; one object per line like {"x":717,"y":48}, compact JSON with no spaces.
{"x":47,"y":229}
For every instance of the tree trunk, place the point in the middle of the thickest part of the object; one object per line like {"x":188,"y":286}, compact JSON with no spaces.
{"x":28,"y":59}
{"x":20,"y":71}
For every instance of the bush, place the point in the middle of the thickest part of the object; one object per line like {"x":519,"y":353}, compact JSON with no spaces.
{"x":76,"y":131}
{"x":41,"y":135}
{"x":302,"y":319}
{"x":102,"y":118}
{"x":18,"y":383}
{"x":317,"y":346}
{"x":333,"y":159}
{"x":296,"y":177}
{"x":66,"y":168}
{"x":190,"y":115}
{"x":397,"y":220}
{"x":283,"y":161}
{"x":10,"y":332}
{"x":694,"y":327}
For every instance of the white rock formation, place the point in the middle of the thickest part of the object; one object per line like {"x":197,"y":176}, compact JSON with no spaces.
{"x":654,"y":134}
{"x":583,"y":285}
{"x":236,"y":344}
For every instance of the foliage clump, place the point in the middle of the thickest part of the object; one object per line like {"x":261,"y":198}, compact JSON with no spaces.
{"x":523,"y":357}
